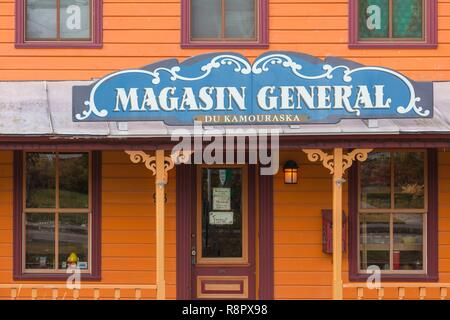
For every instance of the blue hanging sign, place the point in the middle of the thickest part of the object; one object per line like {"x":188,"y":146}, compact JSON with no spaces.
{"x":278,"y":88}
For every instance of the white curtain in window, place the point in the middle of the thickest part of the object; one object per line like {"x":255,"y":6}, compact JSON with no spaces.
{"x":240,"y":19}
{"x":206,"y":19}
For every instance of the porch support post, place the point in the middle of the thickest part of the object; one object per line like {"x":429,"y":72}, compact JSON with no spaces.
{"x":337,"y":163}
{"x":159,"y":165}
{"x":337,"y":225}
{"x":160,"y":184}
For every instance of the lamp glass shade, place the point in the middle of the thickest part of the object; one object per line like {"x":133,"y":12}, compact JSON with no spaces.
{"x":290,"y":170}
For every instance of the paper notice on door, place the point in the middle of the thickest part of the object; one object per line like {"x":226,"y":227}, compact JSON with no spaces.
{"x":221,"y":218}
{"x":222,"y":199}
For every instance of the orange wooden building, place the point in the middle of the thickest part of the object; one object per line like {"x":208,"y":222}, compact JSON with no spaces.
{"x":107,"y":197}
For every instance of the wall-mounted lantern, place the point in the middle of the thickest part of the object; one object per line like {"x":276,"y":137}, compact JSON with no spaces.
{"x":290,"y":170}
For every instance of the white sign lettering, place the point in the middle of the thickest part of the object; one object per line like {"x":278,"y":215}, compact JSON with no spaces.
{"x":269,"y":98}
{"x":221,"y":199}
{"x":221,"y":218}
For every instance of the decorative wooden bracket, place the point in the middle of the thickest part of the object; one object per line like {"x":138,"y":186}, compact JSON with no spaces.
{"x":150,"y":162}
{"x":327,"y":160}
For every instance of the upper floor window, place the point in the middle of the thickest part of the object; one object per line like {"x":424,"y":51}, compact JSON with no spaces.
{"x":224,"y":23}
{"x":393,"y":23}
{"x":58,"y":23}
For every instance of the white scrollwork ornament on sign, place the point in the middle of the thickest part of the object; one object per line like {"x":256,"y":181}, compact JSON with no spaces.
{"x":363,"y":92}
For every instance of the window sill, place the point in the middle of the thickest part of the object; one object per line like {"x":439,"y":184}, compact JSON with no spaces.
{"x":56,"y":45}
{"x":397,"y":278}
{"x":224,"y":45}
{"x":392,"y":45}
{"x":54,"y":277}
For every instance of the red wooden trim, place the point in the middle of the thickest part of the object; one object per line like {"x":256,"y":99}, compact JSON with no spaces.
{"x":432,"y":228}
{"x":266,"y":238}
{"x":80,"y":146}
{"x":186,"y":207}
{"x":17,"y":214}
{"x":262,"y":30}
{"x":431,"y":31}
{"x":284,"y":145}
{"x":97,"y":30}
{"x":60,"y":143}
{"x":206,"y":281}
{"x":186,"y":218}
{"x":96,"y":199}
{"x":432,"y":220}
{"x":242,"y":270}
{"x":251,"y":203}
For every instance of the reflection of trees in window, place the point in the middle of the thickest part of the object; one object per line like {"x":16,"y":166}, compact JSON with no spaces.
{"x":74,"y":185}
{"x":57,"y":209}
{"x":391,"y":230}
{"x":40,"y":180}
{"x":391,"y":19}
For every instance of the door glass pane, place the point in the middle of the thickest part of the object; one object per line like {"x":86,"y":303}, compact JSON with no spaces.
{"x":407,"y":19}
{"x":376,"y":181}
{"x":373,"y":19}
{"x":206,"y":19}
{"x":75,"y":19}
{"x":240,"y":19}
{"x":408,"y":242}
{"x":409,"y":192}
{"x":40,"y":180}
{"x":374,"y":240}
{"x":222,"y":213}
{"x":74,"y":180}
{"x":73,"y":238}
{"x":41,"y":19}
{"x":40,"y":241}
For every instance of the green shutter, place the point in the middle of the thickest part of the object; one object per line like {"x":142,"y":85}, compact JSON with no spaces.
{"x":407,"y":19}
{"x":364,"y":31}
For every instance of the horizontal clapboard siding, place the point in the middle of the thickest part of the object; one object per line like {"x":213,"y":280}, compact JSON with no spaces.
{"x":140,"y":32}
{"x":128,"y":224}
{"x":6,"y":209}
{"x":128,"y":227}
{"x":302,"y":271}
{"x":6,"y":233}
{"x":444,"y":239}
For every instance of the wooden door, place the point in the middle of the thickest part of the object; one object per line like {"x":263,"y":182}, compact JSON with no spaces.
{"x":223,"y":238}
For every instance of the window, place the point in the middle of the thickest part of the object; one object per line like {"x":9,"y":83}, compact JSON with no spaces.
{"x":59,"y":23}
{"x":224,"y":23}
{"x":393,"y":217}
{"x":393,"y":23}
{"x":223,"y":215}
{"x":57,"y":213}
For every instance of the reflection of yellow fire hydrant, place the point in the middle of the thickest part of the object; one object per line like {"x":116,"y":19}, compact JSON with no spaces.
{"x":72,"y":260}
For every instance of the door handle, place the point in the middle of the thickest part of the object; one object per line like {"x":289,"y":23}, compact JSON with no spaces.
{"x":193,"y":255}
